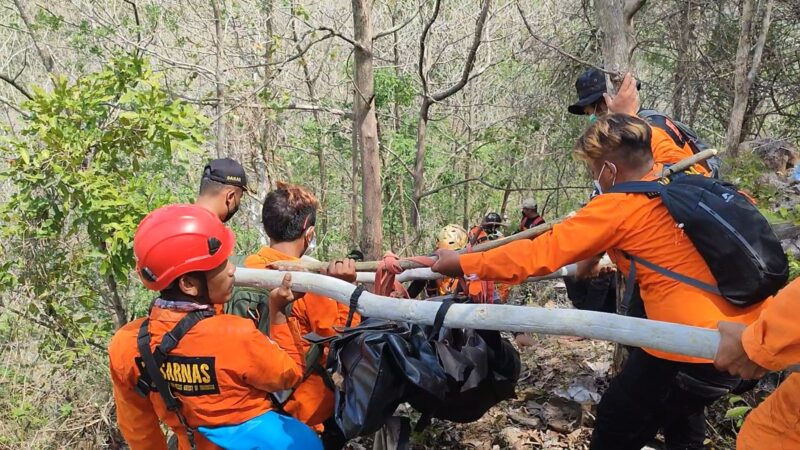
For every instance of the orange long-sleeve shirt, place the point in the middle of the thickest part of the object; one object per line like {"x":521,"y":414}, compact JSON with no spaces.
{"x":616,"y":223}
{"x":773,"y":341}
{"x":312,"y":401}
{"x":221,"y":371}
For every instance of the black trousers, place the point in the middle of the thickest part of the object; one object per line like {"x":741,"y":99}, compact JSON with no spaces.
{"x":651,"y":394}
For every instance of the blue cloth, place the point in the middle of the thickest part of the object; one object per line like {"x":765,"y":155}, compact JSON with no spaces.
{"x":269,"y":431}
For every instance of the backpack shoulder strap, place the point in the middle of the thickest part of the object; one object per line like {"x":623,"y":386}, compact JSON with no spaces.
{"x":152,"y":361}
{"x":638,"y":187}
{"x":667,"y":273}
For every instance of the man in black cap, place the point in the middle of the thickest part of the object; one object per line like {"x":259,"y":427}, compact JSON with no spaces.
{"x":613,"y":428}
{"x":222,"y":187}
{"x":671,"y":141}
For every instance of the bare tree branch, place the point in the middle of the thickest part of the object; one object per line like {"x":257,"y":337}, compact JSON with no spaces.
{"x":294,"y":57}
{"x":496,"y":187}
{"x":341,"y":36}
{"x":397,"y":27}
{"x":303,"y":107}
{"x":138,"y":23}
{"x":44,"y":53}
{"x":17,"y":86}
{"x":422,"y":39}
{"x":469,"y":64}
{"x":14,"y":107}
{"x":558,"y":49}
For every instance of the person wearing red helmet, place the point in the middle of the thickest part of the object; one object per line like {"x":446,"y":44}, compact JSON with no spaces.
{"x":202,"y":374}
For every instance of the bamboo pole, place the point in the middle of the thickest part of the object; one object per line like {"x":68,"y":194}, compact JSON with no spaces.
{"x":371,"y":266}
{"x":664,"y":336}
{"x":689,"y":162}
{"x":425,"y":273}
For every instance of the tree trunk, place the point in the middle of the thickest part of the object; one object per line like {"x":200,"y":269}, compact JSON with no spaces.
{"x":684,"y":60}
{"x":745,"y":71}
{"x":320,"y":142}
{"x":44,"y":52}
{"x":120,"y":314}
{"x":219,"y":79}
{"x":615,"y":19}
{"x":354,"y":169}
{"x":419,"y":164}
{"x":397,"y":125}
{"x":365,"y":120}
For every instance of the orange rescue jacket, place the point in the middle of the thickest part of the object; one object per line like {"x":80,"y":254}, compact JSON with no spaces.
{"x":618,"y":222}
{"x":312,"y":401}
{"x":224,"y":357}
{"x":773,"y":341}
{"x":665,"y":151}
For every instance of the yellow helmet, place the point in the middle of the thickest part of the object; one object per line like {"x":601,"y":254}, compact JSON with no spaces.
{"x":452,"y":237}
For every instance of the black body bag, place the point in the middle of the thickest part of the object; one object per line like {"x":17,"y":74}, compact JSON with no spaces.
{"x":379,"y":363}
{"x":728,"y":231}
{"x":482,"y":370}
{"x":451,"y":374}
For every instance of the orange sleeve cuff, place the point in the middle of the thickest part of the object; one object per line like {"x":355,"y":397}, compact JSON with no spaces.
{"x":471,"y":263}
{"x":753,"y":343}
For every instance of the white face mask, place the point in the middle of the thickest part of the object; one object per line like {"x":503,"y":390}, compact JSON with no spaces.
{"x":597,"y":181}
{"x":312,"y":246}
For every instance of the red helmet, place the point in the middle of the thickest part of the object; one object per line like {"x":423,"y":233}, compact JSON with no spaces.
{"x":177,"y":239}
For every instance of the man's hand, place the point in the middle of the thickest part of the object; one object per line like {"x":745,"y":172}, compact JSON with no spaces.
{"x":731,"y":356}
{"x":447,"y":263}
{"x":282,"y":295}
{"x":343,"y":269}
{"x":627,"y":99}
{"x":279,"y":298}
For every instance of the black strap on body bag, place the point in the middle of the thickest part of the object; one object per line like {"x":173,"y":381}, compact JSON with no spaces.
{"x":313,"y":356}
{"x":153,"y":361}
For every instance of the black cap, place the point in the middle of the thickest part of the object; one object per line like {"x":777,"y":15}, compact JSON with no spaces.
{"x":591,"y":86}
{"x":492,"y":219}
{"x":226,"y":171}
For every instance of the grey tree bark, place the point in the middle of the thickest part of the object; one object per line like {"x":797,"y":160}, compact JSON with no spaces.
{"x":366,"y":122}
{"x":746,"y":69}
{"x":615,"y":19}
{"x":219,"y":79}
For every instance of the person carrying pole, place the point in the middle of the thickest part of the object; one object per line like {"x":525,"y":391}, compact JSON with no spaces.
{"x":205,"y":375}
{"x":770,"y":343}
{"x":289,"y":216}
{"x":640,"y":400}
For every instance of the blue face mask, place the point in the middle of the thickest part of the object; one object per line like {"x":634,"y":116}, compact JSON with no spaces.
{"x":593,"y":118}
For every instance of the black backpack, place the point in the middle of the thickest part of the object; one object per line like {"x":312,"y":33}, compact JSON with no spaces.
{"x":728,"y":231}
{"x":687,"y":136}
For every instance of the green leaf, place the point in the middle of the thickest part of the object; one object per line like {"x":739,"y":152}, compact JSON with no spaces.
{"x":737,"y":412}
